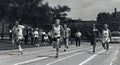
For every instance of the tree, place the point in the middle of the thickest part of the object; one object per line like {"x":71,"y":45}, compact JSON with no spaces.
{"x":60,"y":12}
{"x":32,"y":12}
{"x":111,"y":19}
{"x":103,"y":17}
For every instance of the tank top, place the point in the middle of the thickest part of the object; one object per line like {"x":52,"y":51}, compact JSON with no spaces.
{"x":56,"y":31}
{"x":67,"y":32}
{"x":106,"y":33}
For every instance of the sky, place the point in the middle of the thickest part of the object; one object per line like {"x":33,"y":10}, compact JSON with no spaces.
{"x":87,"y":9}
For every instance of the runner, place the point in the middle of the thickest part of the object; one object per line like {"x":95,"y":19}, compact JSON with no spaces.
{"x":94,"y":34}
{"x":17,"y":35}
{"x":57,"y":30}
{"x":66,"y":36}
{"x":31,"y":35}
{"x":106,"y":34}
{"x":78,"y":35}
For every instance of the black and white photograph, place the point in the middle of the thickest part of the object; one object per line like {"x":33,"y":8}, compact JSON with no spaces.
{"x":59,"y":32}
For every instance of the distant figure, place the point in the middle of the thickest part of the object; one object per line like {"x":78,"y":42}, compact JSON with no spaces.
{"x":17,"y":35}
{"x":66,"y":36}
{"x":31,"y":35}
{"x":26,"y":34}
{"x":106,"y":34}
{"x":36,"y":37}
{"x":45,"y":38}
{"x":10,"y":34}
{"x":78,"y":35}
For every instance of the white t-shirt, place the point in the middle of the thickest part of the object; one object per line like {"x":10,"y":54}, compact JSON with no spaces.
{"x":78,"y":34}
{"x":45,"y":37}
{"x":18,"y":31}
{"x":36,"y":34}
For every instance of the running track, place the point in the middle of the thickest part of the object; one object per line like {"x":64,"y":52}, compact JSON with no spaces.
{"x":74,"y":56}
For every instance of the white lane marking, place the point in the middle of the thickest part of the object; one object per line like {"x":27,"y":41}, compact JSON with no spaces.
{"x":30,"y":61}
{"x":92,"y":57}
{"x":65,"y":58}
{"x":115,"y":56}
{"x":39,"y":52}
{"x":47,"y":57}
{"x":73,"y":51}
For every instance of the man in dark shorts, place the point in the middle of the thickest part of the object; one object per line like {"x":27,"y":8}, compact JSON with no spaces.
{"x":56,"y":32}
{"x":94,"y":34}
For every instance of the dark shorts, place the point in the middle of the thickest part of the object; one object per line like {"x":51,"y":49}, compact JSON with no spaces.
{"x":55,"y":38}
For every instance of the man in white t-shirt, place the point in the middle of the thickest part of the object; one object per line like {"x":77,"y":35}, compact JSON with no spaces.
{"x":78,"y":38}
{"x":36,"y":36}
{"x":17,"y":35}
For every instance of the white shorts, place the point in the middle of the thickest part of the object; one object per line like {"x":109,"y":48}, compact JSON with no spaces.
{"x":105,"y":40}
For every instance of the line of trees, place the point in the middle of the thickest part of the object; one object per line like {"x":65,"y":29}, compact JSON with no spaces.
{"x":32,"y":12}
{"x":112,"y":19}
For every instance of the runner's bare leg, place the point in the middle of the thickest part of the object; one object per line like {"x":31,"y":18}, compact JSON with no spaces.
{"x":57,"y":48}
{"x":19,"y":46}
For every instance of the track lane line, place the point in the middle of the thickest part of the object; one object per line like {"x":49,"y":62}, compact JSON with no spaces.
{"x":33,"y":54}
{"x":31,"y":61}
{"x":48,"y":57}
{"x":115,"y":56}
{"x":90,"y":58}
{"x":67,"y":57}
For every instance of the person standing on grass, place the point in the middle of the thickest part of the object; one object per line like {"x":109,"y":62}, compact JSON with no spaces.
{"x":17,"y":35}
{"x":36,"y":37}
{"x":78,"y":35}
{"x":26,"y":34}
{"x":106,"y":35}
{"x":31,"y":35}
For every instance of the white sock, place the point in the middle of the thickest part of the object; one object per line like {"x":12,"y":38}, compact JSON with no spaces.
{"x":20,"y":49}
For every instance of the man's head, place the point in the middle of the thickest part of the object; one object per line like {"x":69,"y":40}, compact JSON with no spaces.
{"x":65,"y":26}
{"x":16,"y":23}
{"x":57,"y":21}
{"x":36,"y":29}
{"x":78,"y":30}
{"x":31,"y":29}
{"x":105,"y":26}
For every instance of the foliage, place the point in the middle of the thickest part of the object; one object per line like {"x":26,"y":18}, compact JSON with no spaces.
{"x":113,"y":20}
{"x":32,"y":12}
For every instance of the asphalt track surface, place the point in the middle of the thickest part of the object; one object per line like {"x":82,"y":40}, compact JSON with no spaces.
{"x":82,"y":55}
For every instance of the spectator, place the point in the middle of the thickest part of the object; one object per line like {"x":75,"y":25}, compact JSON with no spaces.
{"x":78,"y":37}
{"x":36,"y":36}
